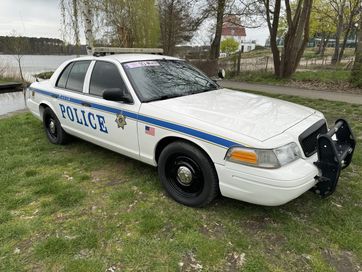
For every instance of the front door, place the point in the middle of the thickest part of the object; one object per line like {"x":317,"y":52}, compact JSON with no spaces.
{"x":110,"y":124}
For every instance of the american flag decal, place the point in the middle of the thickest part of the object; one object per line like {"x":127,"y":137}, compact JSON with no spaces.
{"x":150,"y":130}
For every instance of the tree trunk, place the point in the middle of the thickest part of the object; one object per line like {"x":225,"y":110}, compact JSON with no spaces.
{"x":326,"y":41}
{"x":215,"y":45}
{"x":170,"y":29}
{"x":88,"y":26}
{"x":296,"y":38}
{"x":273,"y":30}
{"x":76,"y":25}
{"x":356,"y":77}
{"x":335,"y":57}
{"x":341,"y":53}
{"x":20,"y":69}
{"x":320,"y":47}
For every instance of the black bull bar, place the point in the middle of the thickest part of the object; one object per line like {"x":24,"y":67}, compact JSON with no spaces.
{"x":335,"y":151}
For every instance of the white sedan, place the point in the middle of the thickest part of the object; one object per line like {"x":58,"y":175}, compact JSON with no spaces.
{"x":204,"y":140}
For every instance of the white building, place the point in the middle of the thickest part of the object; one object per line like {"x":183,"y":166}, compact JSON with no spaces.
{"x":232,"y":29}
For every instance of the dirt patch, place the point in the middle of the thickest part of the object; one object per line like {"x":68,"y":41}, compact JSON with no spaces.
{"x":107,"y":177}
{"x":189,"y":263}
{"x":213,"y":230}
{"x":257,"y":224}
{"x":234,"y":261}
{"x":341,"y":261}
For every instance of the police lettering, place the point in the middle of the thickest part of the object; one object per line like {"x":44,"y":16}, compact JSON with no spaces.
{"x":81,"y":117}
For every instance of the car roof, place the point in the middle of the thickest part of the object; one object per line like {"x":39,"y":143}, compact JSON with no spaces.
{"x":122,"y":58}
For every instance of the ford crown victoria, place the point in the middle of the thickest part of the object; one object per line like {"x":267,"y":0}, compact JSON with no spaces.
{"x":203,"y":139}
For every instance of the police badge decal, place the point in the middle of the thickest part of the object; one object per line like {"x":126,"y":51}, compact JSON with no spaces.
{"x":121,"y":120}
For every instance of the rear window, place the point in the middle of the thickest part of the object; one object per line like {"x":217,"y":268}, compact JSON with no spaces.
{"x":72,"y":77}
{"x":62,"y":81}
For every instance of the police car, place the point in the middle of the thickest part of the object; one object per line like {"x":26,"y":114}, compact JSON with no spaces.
{"x":204,"y":140}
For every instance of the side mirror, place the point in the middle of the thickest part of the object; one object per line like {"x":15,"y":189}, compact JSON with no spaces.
{"x":221,"y":73}
{"x":117,"y":94}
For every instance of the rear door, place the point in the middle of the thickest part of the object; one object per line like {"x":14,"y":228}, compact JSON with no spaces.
{"x":115,"y":123}
{"x":69,"y":105}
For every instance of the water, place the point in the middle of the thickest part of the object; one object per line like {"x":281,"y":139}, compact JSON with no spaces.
{"x":31,"y":64}
{"x":10,"y":102}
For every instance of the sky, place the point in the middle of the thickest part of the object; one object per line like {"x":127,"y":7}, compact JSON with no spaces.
{"x":42,"y":18}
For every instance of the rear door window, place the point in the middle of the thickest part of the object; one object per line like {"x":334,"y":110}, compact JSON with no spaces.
{"x":76,"y":76}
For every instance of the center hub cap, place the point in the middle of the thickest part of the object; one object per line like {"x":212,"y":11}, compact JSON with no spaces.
{"x":184,"y":175}
{"x":52,"y":126}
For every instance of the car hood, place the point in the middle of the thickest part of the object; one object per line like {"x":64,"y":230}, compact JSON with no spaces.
{"x":255,"y":116}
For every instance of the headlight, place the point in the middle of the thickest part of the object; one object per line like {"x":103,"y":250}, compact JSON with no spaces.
{"x":264,"y":158}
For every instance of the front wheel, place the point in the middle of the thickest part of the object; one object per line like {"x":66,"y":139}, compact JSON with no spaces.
{"x":187,"y":174}
{"x":53,"y":128}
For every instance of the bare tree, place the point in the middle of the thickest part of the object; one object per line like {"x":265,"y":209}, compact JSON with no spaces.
{"x":351,"y":14}
{"x":17,"y":47}
{"x":216,"y":43}
{"x":70,"y":18}
{"x":247,"y":12}
{"x":178,"y":23}
{"x":296,"y":38}
{"x":339,"y":7}
{"x":72,"y":12}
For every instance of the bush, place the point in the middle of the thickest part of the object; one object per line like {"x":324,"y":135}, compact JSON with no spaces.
{"x":356,"y":75}
{"x":44,"y":75}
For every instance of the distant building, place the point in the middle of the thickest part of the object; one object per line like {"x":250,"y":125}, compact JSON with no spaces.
{"x":232,"y":28}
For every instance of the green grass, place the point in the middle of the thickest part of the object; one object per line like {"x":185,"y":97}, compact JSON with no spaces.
{"x":80,"y":207}
{"x":4,"y":80}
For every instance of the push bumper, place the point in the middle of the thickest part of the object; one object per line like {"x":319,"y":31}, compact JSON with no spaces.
{"x":335,"y":151}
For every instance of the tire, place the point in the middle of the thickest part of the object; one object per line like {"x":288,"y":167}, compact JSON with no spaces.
{"x":187,"y":174}
{"x":53,"y":128}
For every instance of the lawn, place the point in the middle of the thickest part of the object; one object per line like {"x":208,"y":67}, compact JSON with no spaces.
{"x":80,"y":207}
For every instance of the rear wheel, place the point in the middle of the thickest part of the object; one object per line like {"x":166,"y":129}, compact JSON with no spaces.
{"x":53,"y":128}
{"x":187,"y":174}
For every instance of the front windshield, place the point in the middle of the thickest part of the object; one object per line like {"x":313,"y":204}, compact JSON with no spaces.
{"x":163,"y":79}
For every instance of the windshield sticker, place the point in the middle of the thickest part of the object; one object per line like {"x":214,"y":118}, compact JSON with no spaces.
{"x":138,"y":64}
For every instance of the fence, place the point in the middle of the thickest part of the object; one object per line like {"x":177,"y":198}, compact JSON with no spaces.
{"x":266,"y":63}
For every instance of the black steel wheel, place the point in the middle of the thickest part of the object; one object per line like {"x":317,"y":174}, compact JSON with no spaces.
{"x":53,"y":128}
{"x":187,"y":174}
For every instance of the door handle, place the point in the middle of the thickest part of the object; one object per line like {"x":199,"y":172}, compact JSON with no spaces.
{"x":85,"y":104}
{"x":55,"y":95}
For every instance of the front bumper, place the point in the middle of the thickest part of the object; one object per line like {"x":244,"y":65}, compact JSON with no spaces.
{"x":267,"y":187}
{"x":273,"y":187}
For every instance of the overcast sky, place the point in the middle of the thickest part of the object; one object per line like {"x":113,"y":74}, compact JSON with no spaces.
{"x":41,"y":18}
